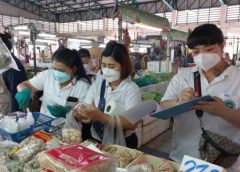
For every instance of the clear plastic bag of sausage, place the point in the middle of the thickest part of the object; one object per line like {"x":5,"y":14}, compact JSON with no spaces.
{"x":6,"y":59}
{"x":72,"y":130}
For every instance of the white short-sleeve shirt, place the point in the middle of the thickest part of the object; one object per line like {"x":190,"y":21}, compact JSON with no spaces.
{"x":186,"y":129}
{"x":126,"y":95}
{"x":53,"y":94}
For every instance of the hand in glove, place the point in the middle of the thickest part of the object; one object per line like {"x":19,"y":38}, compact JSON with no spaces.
{"x":58,"y":111}
{"x":23,"y":97}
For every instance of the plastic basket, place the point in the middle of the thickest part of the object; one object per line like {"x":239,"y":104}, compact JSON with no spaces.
{"x":42,"y":122}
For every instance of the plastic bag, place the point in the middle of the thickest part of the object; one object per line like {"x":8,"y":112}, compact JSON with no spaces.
{"x":12,"y":166}
{"x":6,"y":146}
{"x":72,"y":130}
{"x":139,"y":111}
{"x":77,"y":109}
{"x":75,"y":158}
{"x":30,"y":149}
{"x":32,"y":165}
{"x":145,"y":167}
{"x":6,"y":59}
{"x":113,"y":132}
{"x":124,"y":156}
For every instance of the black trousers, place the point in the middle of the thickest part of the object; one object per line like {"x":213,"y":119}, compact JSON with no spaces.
{"x":132,"y":141}
{"x":86,"y":131}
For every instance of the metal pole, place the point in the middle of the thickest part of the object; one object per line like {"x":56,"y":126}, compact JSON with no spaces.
{"x":168,"y":51}
{"x":237,"y":45}
{"x":33,"y":37}
{"x":120,"y":40}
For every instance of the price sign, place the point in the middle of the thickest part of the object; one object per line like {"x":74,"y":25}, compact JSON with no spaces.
{"x":190,"y":164}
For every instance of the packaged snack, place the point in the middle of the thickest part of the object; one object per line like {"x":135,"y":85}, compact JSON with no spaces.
{"x":124,"y":156}
{"x":45,"y":137}
{"x":32,"y":166}
{"x":75,"y":158}
{"x":158,"y":164}
{"x":29,"y":149}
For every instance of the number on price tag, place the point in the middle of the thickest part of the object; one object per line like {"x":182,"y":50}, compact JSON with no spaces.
{"x":190,"y":164}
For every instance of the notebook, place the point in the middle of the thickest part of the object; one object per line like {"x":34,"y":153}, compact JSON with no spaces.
{"x":179,"y":109}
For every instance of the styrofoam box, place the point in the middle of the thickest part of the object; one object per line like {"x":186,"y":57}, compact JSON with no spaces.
{"x":148,"y":119}
{"x":153,"y":129}
{"x":139,"y":135}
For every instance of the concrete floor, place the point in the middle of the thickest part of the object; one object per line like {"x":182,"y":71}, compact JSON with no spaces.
{"x":160,"y":146}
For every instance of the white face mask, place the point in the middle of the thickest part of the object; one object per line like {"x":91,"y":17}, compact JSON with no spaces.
{"x":206,"y":60}
{"x":111,"y":75}
{"x":86,"y":66}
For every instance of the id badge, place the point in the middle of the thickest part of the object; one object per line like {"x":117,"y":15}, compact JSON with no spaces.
{"x":232,"y":101}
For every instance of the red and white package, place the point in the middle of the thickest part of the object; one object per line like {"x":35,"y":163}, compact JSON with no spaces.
{"x":75,"y":158}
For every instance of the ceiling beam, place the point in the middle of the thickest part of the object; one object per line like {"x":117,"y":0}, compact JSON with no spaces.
{"x":105,"y":12}
{"x":32,"y":8}
{"x":168,"y":5}
{"x":221,"y":2}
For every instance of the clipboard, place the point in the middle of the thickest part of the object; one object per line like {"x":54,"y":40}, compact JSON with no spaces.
{"x":179,"y":109}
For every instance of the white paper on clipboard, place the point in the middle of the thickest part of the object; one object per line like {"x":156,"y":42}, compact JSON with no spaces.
{"x":179,"y":109}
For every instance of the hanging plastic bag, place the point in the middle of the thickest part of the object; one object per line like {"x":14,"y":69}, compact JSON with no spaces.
{"x":72,"y":130}
{"x":6,"y":59}
{"x":113,"y":131}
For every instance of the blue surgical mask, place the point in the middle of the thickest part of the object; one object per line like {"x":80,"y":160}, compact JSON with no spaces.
{"x":61,"y":77}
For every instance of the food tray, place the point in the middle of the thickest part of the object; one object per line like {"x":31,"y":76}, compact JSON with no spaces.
{"x":42,"y":122}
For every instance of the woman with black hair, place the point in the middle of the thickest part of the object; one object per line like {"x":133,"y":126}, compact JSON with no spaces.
{"x":66,"y":79}
{"x":113,"y":85}
{"x":215,"y":78}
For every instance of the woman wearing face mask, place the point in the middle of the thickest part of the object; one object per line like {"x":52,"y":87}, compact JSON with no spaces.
{"x":84,"y":54}
{"x":219,"y":80}
{"x":66,"y":79}
{"x":115,"y":81}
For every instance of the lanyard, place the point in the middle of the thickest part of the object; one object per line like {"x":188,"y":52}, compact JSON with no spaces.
{"x":198,"y":91}
{"x":102,"y":101}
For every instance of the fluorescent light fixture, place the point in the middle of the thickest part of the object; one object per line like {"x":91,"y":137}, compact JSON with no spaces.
{"x":102,"y":46}
{"x":147,"y":27}
{"x":82,"y":23}
{"x":47,"y":35}
{"x":21,"y":27}
{"x":144,"y":46}
{"x":85,"y":41}
{"x":27,"y":33}
{"x":46,"y":41}
{"x":15,"y":38}
{"x":80,"y":40}
{"x":86,"y":46}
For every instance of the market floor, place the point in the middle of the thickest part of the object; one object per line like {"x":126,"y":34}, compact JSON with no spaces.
{"x":159,"y":146}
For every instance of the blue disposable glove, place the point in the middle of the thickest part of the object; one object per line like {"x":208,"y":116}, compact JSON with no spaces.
{"x":58,"y":111}
{"x":23,"y":97}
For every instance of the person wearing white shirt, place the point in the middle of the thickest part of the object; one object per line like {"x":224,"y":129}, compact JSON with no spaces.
{"x":66,"y":79}
{"x":85,"y":56}
{"x":116,"y":69}
{"x":218,"y":79}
